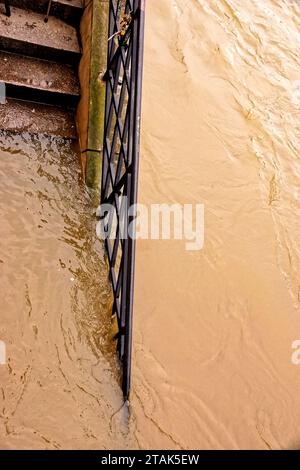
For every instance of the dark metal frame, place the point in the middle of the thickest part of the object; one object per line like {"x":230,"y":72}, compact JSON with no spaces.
{"x":48,"y":11}
{"x":7,"y":8}
{"x":121,"y":157}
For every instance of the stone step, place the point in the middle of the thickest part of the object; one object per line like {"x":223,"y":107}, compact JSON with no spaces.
{"x":25,"y":32}
{"x":34,"y":118}
{"x":67,"y":10}
{"x":39,"y":80}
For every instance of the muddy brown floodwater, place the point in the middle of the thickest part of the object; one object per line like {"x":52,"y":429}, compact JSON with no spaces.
{"x":213,"y":328}
{"x":60,"y":387}
{"x":221,"y":126}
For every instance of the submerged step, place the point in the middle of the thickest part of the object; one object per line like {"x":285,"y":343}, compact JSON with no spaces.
{"x":39,"y":80}
{"x":67,"y":10}
{"x":21,"y":116}
{"x":25,"y":32}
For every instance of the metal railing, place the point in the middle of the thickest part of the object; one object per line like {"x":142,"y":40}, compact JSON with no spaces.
{"x":120,"y":160}
{"x":7,"y":8}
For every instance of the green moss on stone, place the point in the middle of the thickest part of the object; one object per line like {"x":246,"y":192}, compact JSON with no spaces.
{"x":97,"y":93}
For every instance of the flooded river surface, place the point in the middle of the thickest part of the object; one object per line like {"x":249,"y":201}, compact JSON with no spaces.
{"x":60,"y":387}
{"x":213,"y":329}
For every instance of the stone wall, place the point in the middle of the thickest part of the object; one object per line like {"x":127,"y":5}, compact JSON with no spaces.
{"x":90,"y":112}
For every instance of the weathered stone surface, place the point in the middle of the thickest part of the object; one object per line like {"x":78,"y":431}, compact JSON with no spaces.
{"x":90,"y":114}
{"x":67,"y":10}
{"x":26,"y":32}
{"x":82,"y":115}
{"x":21,"y":116}
{"x":34,"y":58}
{"x":38,"y":74}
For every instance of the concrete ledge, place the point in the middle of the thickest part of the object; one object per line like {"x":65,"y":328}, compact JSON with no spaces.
{"x":25,"y":32}
{"x":67,"y":10}
{"x":39,"y":80}
{"x":22,"y":116}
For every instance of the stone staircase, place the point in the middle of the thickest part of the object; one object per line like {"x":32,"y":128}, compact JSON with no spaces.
{"x":38,"y":64}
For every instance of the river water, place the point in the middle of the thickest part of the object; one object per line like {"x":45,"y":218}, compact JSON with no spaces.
{"x":60,"y":386}
{"x":213,"y":329}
